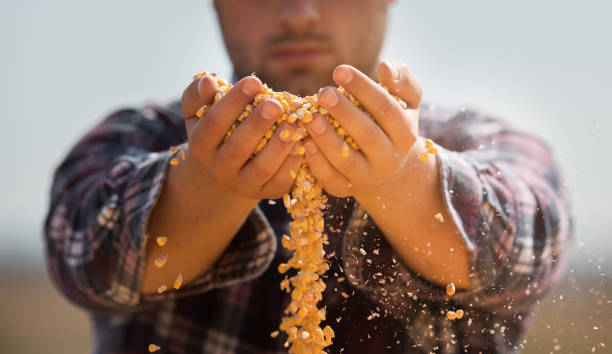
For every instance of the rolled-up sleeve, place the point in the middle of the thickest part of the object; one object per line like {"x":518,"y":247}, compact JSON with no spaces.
{"x":102,"y":196}
{"x":507,"y":198}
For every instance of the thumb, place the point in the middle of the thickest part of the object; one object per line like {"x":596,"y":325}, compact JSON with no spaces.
{"x":401,"y":82}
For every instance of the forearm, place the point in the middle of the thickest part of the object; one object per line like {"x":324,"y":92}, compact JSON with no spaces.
{"x":199,"y":222}
{"x":405,"y":211}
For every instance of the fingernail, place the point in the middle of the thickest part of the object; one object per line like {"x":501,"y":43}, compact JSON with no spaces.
{"x":317,"y":125}
{"x":329,"y":97}
{"x":311,"y":147}
{"x":344,"y":75}
{"x":270,"y":110}
{"x":250,"y":87}
{"x":393,"y":70}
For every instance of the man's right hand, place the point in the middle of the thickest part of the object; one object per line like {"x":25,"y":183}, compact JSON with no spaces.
{"x":206,"y":198}
{"x":226,"y":164}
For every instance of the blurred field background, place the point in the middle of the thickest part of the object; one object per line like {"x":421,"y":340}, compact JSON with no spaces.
{"x":545,"y":66}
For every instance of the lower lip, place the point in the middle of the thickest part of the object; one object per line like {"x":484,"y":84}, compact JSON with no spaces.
{"x":298,"y":58}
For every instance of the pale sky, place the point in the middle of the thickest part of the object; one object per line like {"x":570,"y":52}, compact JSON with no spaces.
{"x":543,"y":65}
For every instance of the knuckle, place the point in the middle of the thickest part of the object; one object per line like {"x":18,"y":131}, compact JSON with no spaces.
{"x":387,"y":107}
{"x":235,"y":150}
{"x":212,"y":128}
{"x":260,"y":173}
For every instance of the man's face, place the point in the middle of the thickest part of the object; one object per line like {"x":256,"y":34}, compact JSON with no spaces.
{"x":294,"y":45}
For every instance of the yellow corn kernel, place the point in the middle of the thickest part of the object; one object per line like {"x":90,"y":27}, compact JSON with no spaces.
{"x":300,"y":149}
{"x":199,"y":75}
{"x":344,"y":151}
{"x":283,"y":268}
{"x":362,"y":251}
{"x":432,"y":150}
{"x":428,"y":144}
{"x":159,"y":262}
{"x":439,"y":217}
{"x":424,"y":157}
{"x":178,"y":281}
{"x":161,"y":289}
{"x":292,"y":173}
{"x":183,"y":154}
{"x":284,"y":134}
{"x":200,"y":112}
{"x":174,"y":162}
{"x":459,"y":314}
{"x":274,"y":334}
{"x":451,"y":315}
{"x":344,"y":295}
{"x":161,"y":240}
{"x":287,"y":200}
{"x":450,"y":289}
{"x":153,"y":348}
{"x":174,"y":149}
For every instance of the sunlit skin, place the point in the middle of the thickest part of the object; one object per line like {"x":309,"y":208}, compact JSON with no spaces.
{"x":301,"y":46}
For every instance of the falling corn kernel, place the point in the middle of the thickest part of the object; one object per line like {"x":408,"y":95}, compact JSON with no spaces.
{"x":424,"y":157}
{"x":292,"y":173}
{"x":450,"y":289}
{"x":344,"y":295}
{"x":432,"y":151}
{"x":287,"y":200}
{"x":174,"y":149}
{"x":174,"y":162}
{"x":161,"y":240}
{"x":439,"y":217}
{"x":159,"y":262}
{"x":178,"y":281}
{"x":161,"y":289}
{"x":451,"y":315}
{"x":274,"y":334}
{"x":344,"y":151}
{"x":183,"y":154}
{"x":459,"y":314}
{"x":300,"y":149}
{"x":362,"y":251}
{"x":153,"y":348}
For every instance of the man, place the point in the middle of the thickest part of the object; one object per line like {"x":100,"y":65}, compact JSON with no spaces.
{"x":488,"y":213}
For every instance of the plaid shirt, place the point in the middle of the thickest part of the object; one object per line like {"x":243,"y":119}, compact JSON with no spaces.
{"x":502,"y":187}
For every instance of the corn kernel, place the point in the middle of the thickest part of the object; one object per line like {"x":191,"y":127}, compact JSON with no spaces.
{"x":174,"y":149}
{"x":428,"y":144}
{"x":292,"y":173}
{"x":450,"y":289}
{"x":174,"y":162}
{"x":200,"y":112}
{"x":183,"y":154}
{"x":161,"y":289}
{"x":159,"y":262}
{"x":451,"y":315}
{"x":300,"y":149}
{"x":459,"y":314}
{"x":432,"y":150}
{"x":344,"y":151}
{"x":362,"y":251}
{"x":274,"y":334}
{"x":284,"y":134}
{"x":153,"y":348}
{"x":161,"y":240}
{"x":178,"y":281}
{"x":439,"y":217}
{"x":424,"y":157}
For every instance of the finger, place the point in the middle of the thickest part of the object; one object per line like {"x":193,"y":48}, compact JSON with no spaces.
{"x":366,"y":133}
{"x":332,"y":180}
{"x":401,"y":82}
{"x":282,"y":180}
{"x":353,"y":164}
{"x":200,"y":91}
{"x":210,"y":130}
{"x":381,"y":105}
{"x":265,"y":164}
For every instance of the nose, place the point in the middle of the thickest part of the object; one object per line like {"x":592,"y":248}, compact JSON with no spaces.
{"x":299,"y":15}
